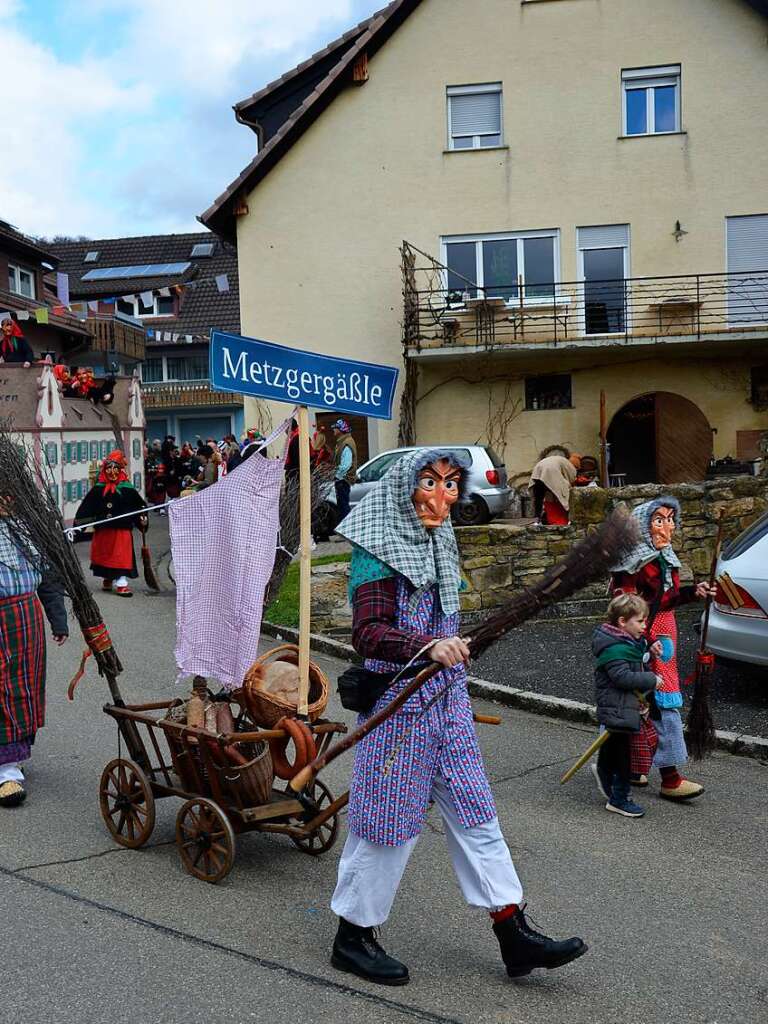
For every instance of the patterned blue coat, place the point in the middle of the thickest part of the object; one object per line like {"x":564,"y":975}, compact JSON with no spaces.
{"x":396,"y":764}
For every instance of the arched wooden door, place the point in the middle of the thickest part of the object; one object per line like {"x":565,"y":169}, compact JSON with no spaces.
{"x":660,"y":438}
{"x":683,"y":440}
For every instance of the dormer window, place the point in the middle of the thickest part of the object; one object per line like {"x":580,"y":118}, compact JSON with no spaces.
{"x":474,"y":116}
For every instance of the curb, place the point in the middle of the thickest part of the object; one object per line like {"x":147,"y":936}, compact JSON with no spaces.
{"x":740,"y":744}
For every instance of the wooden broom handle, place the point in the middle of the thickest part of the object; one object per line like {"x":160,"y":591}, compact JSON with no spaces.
{"x":712,"y":577}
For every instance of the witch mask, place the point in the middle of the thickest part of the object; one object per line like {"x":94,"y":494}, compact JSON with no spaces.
{"x":437,"y":490}
{"x":662,"y":527}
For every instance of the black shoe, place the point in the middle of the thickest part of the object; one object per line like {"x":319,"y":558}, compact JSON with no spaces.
{"x":356,"y":951}
{"x":523,"y":949}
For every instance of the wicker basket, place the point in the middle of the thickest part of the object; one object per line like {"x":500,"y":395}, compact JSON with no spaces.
{"x":265,"y":708}
{"x":250,"y":784}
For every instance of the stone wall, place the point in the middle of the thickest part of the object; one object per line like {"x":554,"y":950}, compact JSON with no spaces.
{"x":502,"y":557}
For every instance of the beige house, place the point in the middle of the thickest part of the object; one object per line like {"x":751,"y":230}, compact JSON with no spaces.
{"x":582,"y":186}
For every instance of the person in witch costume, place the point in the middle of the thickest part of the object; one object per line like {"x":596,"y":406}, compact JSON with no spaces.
{"x":27,"y":588}
{"x":14,"y":347}
{"x":652,"y":570}
{"x":112,"y":555}
{"x":404,"y":586}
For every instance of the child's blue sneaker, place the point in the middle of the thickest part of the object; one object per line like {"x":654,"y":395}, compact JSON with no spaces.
{"x":603,"y":780}
{"x":623,"y":805}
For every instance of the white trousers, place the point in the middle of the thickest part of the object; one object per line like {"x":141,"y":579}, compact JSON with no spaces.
{"x":10,"y":773}
{"x":369,"y":873}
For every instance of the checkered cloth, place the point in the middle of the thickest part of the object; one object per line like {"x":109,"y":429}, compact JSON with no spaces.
{"x":385,"y":524}
{"x":224,"y":541}
{"x":22,"y":668}
{"x":17,"y":574}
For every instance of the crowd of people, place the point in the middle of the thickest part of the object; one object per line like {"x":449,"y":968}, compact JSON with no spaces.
{"x":171,"y":469}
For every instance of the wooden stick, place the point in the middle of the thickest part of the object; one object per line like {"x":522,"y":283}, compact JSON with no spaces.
{"x":712,"y":578}
{"x":487,"y":719}
{"x":603,"y":442}
{"x":305,"y":563}
{"x":591,"y":749}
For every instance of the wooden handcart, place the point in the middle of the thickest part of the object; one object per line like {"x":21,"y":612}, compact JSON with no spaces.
{"x":168,"y":758}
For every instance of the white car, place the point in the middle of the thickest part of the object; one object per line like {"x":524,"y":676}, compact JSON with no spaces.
{"x":738,"y":622}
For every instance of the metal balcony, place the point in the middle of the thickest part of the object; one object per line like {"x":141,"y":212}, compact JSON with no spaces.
{"x":526,"y":316}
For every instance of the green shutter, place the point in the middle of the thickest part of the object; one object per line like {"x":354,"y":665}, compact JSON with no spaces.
{"x":82,"y":451}
{"x":93,"y":451}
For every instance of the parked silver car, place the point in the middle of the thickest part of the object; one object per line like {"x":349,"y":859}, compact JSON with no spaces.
{"x":487,"y":493}
{"x":738,"y":624}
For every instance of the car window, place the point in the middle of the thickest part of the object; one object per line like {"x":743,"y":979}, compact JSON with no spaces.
{"x":747,"y":539}
{"x":375,"y":470}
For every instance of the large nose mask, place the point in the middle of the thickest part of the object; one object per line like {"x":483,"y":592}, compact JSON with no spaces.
{"x":437,"y":490}
{"x":662,"y":527}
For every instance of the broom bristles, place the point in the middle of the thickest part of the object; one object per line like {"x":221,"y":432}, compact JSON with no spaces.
{"x":587,"y":561}
{"x":700,"y":734}
{"x":35,"y":522}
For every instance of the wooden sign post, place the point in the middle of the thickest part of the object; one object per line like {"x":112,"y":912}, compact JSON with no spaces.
{"x":305,"y":559}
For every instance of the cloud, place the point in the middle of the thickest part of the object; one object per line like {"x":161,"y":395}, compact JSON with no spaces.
{"x":130,"y":131}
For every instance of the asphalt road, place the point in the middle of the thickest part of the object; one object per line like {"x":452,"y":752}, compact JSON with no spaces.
{"x":554,"y":657}
{"x":672,"y":906}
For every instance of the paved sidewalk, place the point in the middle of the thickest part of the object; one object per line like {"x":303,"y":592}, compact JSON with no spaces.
{"x":672,"y":906}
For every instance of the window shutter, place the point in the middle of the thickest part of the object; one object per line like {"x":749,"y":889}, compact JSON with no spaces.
{"x":82,"y":451}
{"x":104,"y":449}
{"x":476,"y":114}
{"x":52,"y":453}
{"x":604,"y":236}
{"x":747,"y":240}
{"x":94,"y":450}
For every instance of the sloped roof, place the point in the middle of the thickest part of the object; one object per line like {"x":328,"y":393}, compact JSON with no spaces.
{"x":17,"y":240}
{"x":368,"y":37}
{"x":12,"y":303}
{"x":202,"y":306}
{"x":220,"y":216}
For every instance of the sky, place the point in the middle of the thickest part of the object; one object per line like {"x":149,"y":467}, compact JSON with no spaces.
{"x":119,"y":113}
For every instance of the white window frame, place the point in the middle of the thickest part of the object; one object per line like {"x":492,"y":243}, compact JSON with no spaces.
{"x":467,"y":90}
{"x":503,"y":236}
{"x":650,"y":79}
{"x":580,"y":250}
{"x":136,"y":303}
{"x":16,"y":269}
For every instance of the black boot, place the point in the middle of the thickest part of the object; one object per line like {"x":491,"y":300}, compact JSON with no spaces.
{"x":523,"y":949}
{"x":356,"y":951}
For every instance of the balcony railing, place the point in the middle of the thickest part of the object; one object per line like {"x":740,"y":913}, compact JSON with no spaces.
{"x":692,"y":306}
{"x":182,"y":394}
{"x":116,"y":336}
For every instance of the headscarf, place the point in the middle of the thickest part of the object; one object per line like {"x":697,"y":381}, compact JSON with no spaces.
{"x":644,"y":552}
{"x":110,"y":486}
{"x":385,"y":524}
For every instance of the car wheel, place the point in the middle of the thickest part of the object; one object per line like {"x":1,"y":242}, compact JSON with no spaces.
{"x":472,"y":512}
{"x":324,"y":521}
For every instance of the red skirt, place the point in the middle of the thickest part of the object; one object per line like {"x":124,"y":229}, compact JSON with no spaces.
{"x":22,"y":668}
{"x":112,"y":553}
{"x":554,"y":513}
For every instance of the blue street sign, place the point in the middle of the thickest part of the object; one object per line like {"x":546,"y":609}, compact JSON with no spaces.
{"x":265,"y":370}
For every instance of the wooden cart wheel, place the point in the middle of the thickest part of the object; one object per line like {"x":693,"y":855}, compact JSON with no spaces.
{"x":127,"y":803}
{"x":205,"y":839}
{"x":325,"y":836}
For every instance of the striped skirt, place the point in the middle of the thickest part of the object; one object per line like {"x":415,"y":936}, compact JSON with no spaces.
{"x":22,"y":668}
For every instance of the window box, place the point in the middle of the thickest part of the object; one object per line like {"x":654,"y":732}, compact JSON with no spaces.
{"x":475,"y":116}
{"x":496,"y":263}
{"x":650,"y":100}
{"x":550,"y":392}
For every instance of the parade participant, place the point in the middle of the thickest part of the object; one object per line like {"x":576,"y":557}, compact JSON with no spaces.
{"x":321,"y":453}
{"x":404,"y":583}
{"x":652,"y":570}
{"x":551,"y":483}
{"x":154,"y":470}
{"x":112,"y":556}
{"x":621,"y":650}
{"x":24,"y":586}
{"x":344,"y":465}
{"x":14,"y":347}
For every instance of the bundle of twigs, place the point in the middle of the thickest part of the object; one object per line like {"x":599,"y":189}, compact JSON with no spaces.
{"x":36,"y":524}
{"x":588,"y":560}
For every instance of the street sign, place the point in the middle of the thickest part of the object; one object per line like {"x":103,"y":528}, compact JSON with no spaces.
{"x":263,"y":369}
